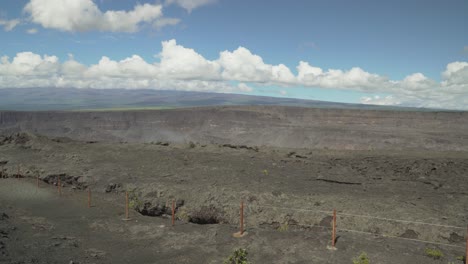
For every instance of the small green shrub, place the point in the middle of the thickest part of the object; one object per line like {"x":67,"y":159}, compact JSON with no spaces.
{"x":265,"y":172}
{"x":434,"y":253}
{"x":461,"y":258}
{"x":182,"y":214}
{"x":133,"y":201}
{"x":238,"y":257}
{"x":362,"y":259}
{"x":283,"y":228}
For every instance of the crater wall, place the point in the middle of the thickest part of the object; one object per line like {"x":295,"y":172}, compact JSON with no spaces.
{"x":289,"y":127}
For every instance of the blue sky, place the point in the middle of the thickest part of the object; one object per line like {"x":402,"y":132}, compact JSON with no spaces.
{"x":411,"y":53}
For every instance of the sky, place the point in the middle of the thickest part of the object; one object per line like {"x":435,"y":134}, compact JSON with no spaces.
{"x":408,"y":53}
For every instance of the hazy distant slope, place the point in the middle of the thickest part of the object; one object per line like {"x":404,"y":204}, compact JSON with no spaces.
{"x":79,"y":99}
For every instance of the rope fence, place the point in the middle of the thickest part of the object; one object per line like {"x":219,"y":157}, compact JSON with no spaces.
{"x":340,"y":214}
{"x":330,"y":213}
{"x":334,"y":227}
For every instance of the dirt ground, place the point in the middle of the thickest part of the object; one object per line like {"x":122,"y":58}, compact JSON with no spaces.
{"x":288,"y":195}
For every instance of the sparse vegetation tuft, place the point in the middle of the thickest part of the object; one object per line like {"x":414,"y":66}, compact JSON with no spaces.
{"x":182,"y":214}
{"x":134,"y":202}
{"x":238,"y":257}
{"x":265,"y":172}
{"x":192,"y":144}
{"x":283,"y":228}
{"x":362,"y":259}
{"x":434,"y":253}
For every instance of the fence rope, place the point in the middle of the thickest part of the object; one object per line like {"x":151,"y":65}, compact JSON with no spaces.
{"x":379,"y":235}
{"x":294,"y":209}
{"x":347,"y":230}
{"x":401,"y":221}
{"x":401,"y":238}
{"x":352,"y":215}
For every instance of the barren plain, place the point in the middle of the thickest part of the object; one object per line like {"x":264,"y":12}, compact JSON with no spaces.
{"x":397,"y":180}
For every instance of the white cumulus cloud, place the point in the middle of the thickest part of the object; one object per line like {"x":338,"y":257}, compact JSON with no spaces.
{"x":355,"y":78}
{"x":456,"y":73}
{"x":85,"y":15}
{"x":29,"y":64}
{"x":179,"y":62}
{"x":242,"y":65}
{"x":180,"y":68}
{"x":72,"y":68}
{"x":132,"y":67}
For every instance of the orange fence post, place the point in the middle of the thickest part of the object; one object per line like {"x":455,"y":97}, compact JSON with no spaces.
{"x":89,"y":197}
{"x":334,"y":228}
{"x":466,"y":252}
{"x":173,"y":212}
{"x":242,"y":217}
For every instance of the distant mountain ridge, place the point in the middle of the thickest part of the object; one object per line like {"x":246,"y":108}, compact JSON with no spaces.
{"x":58,"y":99}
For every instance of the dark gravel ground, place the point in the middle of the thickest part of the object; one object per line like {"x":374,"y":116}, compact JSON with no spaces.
{"x":41,"y":227}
